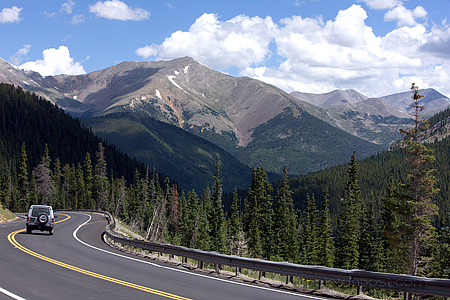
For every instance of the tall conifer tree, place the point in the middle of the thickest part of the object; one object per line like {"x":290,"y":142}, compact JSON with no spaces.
{"x":349,"y":222}
{"x":89,"y":182}
{"x":420,"y":188}
{"x":285,"y":222}
{"x":392,"y":230}
{"x":216,"y":216}
{"x":100,"y":178}
{"x":23,"y":180}
{"x":234,"y":223}
{"x":259,"y":215}
{"x":325,"y":244}
{"x":310,"y":231}
{"x":370,"y":253}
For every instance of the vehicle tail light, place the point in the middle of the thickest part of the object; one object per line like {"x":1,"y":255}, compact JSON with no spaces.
{"x":53,"y":220}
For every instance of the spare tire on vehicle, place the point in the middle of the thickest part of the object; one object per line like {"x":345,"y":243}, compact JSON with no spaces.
{"x":42,"y":219}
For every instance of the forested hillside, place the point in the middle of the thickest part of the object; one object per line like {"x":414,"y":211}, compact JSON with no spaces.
{"x":34,"y":123}
{"x":374,"y":174}
{"x":176,"y":152}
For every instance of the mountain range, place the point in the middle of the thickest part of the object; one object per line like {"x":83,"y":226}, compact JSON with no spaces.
{"x":162,"y":112}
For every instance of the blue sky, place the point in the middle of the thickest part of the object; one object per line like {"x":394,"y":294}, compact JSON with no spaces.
{"x":377,"y":47}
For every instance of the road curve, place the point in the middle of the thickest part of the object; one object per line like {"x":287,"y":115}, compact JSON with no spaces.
{"x":71,"y":265}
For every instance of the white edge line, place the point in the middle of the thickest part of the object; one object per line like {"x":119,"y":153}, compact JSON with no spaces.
{"x":14,"y":296}
{"x":182,"y":271}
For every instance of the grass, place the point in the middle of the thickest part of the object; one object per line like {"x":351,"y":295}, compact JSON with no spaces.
{"x":6,"y":215}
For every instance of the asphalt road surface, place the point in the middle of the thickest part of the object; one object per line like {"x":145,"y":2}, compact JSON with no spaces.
{"x":75,"y":263}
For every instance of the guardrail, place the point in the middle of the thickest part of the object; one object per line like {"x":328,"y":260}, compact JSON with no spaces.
{"x":360,"y":278}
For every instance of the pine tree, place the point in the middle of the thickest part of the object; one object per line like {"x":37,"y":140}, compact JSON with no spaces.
{"x":100,"y":191}
{"x":22,"y":179}
{"x":442,"y":255}
{"x":258,"y":215}
{"x":302,"y":241}
{"x":310,"y":231}
{"x":188,"y":227}
{"x":6,"y":183}
{"x":392,"y":230}
{"x":370,"y":257}
{"x":201,"y":240}
{"x":44,"y":181}
{"x":80,"y":186}
{"x":89,"y":182}
{"x":420,"y":188}
{"x":69,"y":186}
{"x":216,"y":216}
{"x":325,"y":243}
{"x":59,"y":196}
{"x":234,"y":223}
{"x":347,"y":245}
{"x":285,"y":222}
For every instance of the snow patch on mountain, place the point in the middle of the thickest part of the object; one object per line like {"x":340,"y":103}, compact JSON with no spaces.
{"x":170,"y":77}
{"x":158,"y":94}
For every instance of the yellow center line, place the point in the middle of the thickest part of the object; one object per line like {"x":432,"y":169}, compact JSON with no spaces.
{"x":12,"y":240}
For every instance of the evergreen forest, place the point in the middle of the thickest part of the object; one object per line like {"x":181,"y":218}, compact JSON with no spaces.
{"x":386,"y":213}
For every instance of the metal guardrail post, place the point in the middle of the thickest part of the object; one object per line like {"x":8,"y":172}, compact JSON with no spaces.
{"x":360,"y":290}
{"x":261,"y":274}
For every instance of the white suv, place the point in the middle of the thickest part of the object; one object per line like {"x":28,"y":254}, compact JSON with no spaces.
{"x":40,"y":217}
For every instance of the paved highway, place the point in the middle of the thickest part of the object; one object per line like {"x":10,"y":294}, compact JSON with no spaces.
{"x":75,"y":263}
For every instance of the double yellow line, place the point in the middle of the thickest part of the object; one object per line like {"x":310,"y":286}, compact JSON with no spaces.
{"x":12,"y":240}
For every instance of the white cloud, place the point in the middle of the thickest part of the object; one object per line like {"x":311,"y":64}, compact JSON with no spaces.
{"x":68,"y":7}
{"x":17,"y":58}
{"x":311,"y":55}
{"x":118,"y":10}
{"x":55,"y":62}
{"x":241,"y":41}
{"x":405,"y":16}
{"x":147,"y":51}
{"x":77,"y":19}
{"x":382,"y":4}
{"x":10,"y":15}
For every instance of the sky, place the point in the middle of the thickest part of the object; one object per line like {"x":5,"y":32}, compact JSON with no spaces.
{"x":376,"y":47}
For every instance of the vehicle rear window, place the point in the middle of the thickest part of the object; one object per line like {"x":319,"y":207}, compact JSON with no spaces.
{"x":38,"y":211}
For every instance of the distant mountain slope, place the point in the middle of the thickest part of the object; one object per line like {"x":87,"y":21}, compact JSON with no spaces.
{"x":332,"y":98}
{"x":373,"y":120}
{"x":433,"y":101}
{"x":180,"y":155}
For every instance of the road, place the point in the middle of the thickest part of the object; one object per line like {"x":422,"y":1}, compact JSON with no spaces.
{"x":75,"y":263}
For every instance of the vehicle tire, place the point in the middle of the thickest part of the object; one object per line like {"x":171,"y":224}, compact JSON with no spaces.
{"x":50,"y":232}
{"x":42,"y":219}
{"x":28,"y":230}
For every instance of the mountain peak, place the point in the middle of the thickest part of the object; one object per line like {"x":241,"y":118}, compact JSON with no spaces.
{"x":335,"y":97}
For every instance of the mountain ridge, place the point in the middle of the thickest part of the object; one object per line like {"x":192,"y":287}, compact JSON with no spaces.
{"x":227,"y":111}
